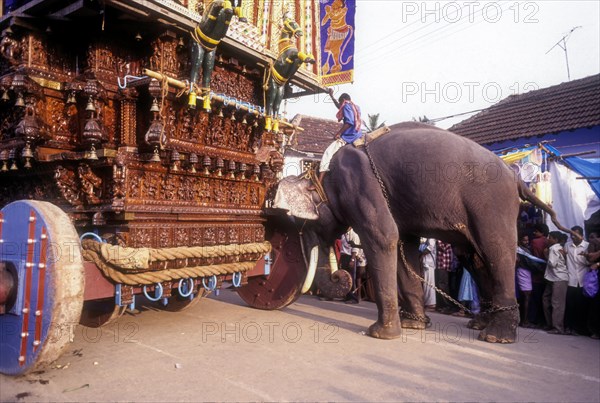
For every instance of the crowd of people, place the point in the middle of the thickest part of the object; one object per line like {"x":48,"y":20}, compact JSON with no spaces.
{"x":552,"y":281}
{"x":556,"y":280}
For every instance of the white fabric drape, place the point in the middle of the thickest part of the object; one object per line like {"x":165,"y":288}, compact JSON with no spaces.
{"x":573,"y":199}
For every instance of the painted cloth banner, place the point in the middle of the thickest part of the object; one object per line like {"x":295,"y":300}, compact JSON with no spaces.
{"x":337,"y":41}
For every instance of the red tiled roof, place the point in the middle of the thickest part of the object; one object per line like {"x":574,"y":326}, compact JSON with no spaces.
{"x":567,"y":106}
{"x":317,"y":135}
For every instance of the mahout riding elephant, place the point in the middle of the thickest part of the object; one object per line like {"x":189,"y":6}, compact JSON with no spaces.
{"x":418,"y":181}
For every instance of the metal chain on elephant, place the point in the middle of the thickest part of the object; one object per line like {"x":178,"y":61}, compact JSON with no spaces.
{"x":422,"y":280}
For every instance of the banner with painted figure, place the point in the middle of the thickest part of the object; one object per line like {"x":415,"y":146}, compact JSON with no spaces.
{"x":337,"y":41}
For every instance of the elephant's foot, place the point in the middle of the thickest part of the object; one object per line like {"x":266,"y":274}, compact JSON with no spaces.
{"x":413,"y":324}
{"x":502,"y":328}
{"x":412,"y":321}
{"x":480,"y":321}
{"x":391,"y":330}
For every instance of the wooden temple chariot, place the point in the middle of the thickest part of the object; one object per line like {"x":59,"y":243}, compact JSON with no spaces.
{"x":112,"y":187}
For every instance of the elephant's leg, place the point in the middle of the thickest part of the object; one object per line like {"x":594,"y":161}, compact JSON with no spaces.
{"x":497,"y":281}
{"x":412,"y":310}
{"x":382,"y":252}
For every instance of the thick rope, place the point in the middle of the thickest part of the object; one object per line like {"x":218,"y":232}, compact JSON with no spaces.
{"x":139,"y":259}
{"x":131,"y":266}
{"x":153,"y":277}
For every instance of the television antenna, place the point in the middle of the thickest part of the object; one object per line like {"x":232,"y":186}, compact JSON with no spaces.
{"x":562,"y":43}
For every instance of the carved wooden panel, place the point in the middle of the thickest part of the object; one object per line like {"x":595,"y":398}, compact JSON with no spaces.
{"x":172,"y":234}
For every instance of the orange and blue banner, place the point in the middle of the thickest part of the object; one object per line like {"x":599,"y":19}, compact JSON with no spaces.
{"x":337,"y":41}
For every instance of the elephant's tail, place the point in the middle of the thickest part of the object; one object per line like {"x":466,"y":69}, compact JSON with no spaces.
{"x":526,"y":194}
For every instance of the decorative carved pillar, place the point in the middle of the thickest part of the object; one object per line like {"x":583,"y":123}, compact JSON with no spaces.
{"x":127,"y":114}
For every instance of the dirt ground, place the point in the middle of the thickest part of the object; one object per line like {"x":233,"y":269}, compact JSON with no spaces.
{"x":221,"y":350}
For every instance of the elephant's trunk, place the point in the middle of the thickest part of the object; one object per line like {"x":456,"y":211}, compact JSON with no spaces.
{"x":333,"y":283}
{"x":312,"y":268}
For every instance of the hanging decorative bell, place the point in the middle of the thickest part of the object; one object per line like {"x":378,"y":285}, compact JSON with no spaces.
{"x":154,"y":134}
{"x":242,"y":169}
{"x":154,"y":107}
{"x":155,"y":155}
{"x":5,"y":96}
{"x":92,"y":134}
{"x":244,"y":121}
{"x":220,"y":166}
{"x":20,"y":101}
{"x":175,"y":158}
{"x":28,"y":155}
{"x":71,"y":99}
{"x":91,"y":155}
{"x":90,"y":105}
{"x":207,"y":163}
{"x":193,"y":162}
{"x":221,"y":112}
{"x":4,"y":159}
{"x":12,"y":156}
{"x":232,"y":169}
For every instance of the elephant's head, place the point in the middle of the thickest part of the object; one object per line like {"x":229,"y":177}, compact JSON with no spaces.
{"x":319,"y":228}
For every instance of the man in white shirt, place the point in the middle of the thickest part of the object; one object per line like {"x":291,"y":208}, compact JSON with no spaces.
{"x":557,"y":281}
{"x":353,"y":260}
{"x":428,"y":251}
{"x":577,"y":265}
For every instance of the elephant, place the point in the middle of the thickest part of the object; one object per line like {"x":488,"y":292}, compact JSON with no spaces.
{"x":418,"y":181}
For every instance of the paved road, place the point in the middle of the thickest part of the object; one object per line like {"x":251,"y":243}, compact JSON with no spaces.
{"x":221,"y":350}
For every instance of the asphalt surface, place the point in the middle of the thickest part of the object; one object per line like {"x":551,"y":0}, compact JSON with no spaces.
{"x":221,"y":350}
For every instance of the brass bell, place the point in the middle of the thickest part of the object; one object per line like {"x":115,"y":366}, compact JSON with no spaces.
{"x":175,"y":158}
{"x":232,"y":167}
{"x":92,"y":154}
{"x":244,"y":121}
{"x":207,"y":163}
{"x":20,"y":101}
{"x":12,"y":156}
{"x":28,"y":155}
{"x":233,"y":117}
{"x":221,"y":112}
{"x":4,"y":159}
{"x":90,"y":105}
{"x":5,"y":96}
{"x":193,"y":162}
{"x":154,"y":107}
{"x":71,"y":99}
{"x":220,"y":166}
{"x":155,"y":155}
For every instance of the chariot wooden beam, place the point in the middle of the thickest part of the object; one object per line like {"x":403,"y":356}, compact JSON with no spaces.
{"x":183,"y":85}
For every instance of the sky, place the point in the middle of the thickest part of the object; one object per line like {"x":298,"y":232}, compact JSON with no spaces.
{"x":445,"y":58}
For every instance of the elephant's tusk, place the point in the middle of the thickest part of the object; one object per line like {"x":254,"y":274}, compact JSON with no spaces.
{"x":312,"y":268}
{"x":333,"y":263}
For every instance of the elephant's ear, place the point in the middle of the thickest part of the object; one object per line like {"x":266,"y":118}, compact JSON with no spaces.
{"x":293,"y":195}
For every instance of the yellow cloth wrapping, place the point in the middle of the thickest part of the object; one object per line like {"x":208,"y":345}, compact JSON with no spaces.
{"x":514,"y":157}
{"x":126,"y":258}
